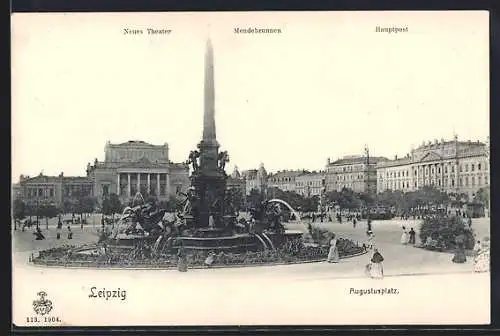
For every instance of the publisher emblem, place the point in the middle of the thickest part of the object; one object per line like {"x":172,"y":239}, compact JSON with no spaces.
{"x":42,"y":306}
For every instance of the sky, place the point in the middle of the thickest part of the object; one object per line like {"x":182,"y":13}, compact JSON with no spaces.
{"x":325,"y":87}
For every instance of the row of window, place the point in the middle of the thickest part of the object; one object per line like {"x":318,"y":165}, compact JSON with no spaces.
{"x":76,"y":189}
{"x":437,"y":170}
{"x":282,"y":179}
{"x":308,"y":183}
{"x":350,"y":177}
{"x":440,"y":176}
{"x":40,"y":192}
{"x":446,"y":182}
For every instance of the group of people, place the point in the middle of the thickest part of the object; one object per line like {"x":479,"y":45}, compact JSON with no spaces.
{"x":408,"y":237}
{"x":59,"y":228}
{"x":374,"y":269}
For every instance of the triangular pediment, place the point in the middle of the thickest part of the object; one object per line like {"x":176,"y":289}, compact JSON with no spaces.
{"x":431,"y":156}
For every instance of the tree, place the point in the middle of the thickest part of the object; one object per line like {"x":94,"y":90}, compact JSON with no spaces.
{"x":238,"y":198}
{"x":366,"y":198}
{"x":19,"y":209}
{"x":483,"y":196}
{"x":47,"y":210}
{"x":85,"y":205}
{"x":391,"y":199}
{"x":310,"y":204}
{"x":293,"y":198}
{"x":115,"y":204}
{"x":348,"y":199}
{"x":254,"y":198}
{"x":67,"y":206}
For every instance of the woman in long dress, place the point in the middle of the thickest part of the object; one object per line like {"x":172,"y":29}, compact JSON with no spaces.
{"x":482,"y":258}
{"x":404,"y":236}
{"x":371,"y":240}
{"x":375,"y":268}
{"x":333,"y":253}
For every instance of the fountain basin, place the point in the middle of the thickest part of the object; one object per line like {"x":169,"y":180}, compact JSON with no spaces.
{"x":240,"y":242}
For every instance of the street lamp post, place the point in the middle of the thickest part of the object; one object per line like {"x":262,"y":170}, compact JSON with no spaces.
{"x":367,"y":152}
{"x":37,"y":210}
{"x":46,"y":219}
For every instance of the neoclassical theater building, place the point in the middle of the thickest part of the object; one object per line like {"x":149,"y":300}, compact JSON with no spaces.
{"x":127,"y":168}
{"x":137,"y":166}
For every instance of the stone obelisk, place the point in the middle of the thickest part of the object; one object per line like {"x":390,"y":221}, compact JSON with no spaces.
{"x":209,"y":147}
{"x":210,"y":181}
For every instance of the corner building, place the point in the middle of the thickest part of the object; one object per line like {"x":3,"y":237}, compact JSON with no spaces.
{"x":310,"y":183}
{"x":285,"y":179}
{"x":355,"y":172}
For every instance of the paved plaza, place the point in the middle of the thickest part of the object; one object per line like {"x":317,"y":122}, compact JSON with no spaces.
{"x":311,"y":293}
{"x":399,"y":259}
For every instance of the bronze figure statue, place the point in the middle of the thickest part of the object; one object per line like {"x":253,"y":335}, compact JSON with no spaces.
{"x":193,"y":159}
{"x":223,"y":159}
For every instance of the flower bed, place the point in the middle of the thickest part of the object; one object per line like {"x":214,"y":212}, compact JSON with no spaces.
{"x":291,"y":252}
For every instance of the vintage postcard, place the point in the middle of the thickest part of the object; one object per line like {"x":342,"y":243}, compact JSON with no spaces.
{"x":250,"y":168}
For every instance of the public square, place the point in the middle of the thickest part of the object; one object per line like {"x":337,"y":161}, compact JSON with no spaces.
{"x":183,"y":252}
{"x":431,"y":286}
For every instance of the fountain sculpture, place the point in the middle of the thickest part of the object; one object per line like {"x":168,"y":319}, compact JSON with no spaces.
{"x":207,"y":222}
{"x":210,"y":215}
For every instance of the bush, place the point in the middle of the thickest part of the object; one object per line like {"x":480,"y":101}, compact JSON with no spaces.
{"x":445,"y":229}
{"x":320,"y":236}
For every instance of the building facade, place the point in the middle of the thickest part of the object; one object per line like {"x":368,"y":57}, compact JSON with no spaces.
{"x":53,"y":189}
{"x":136,"y":166}
{"x":355,"y":172}
{"x":235,"y":181}
{"x":310,"y":184}
{"x":255,"y":179}
{"x":284,"y":179}
{"x":127,"y":169}
{"x":450,"y":166}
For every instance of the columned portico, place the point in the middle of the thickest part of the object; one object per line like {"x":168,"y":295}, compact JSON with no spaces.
{"x":167,"y":186}
{"x":158,"y":184}
{"x":128,"y":184}
{"x":157,"y":181}
{"x":138,"y":182}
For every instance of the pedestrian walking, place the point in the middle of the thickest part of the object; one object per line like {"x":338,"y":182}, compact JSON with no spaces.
{"x":412,"y":235}
{"x":333,"y":253}
{"x":375,"y":269}
{"x":404,"y":236}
